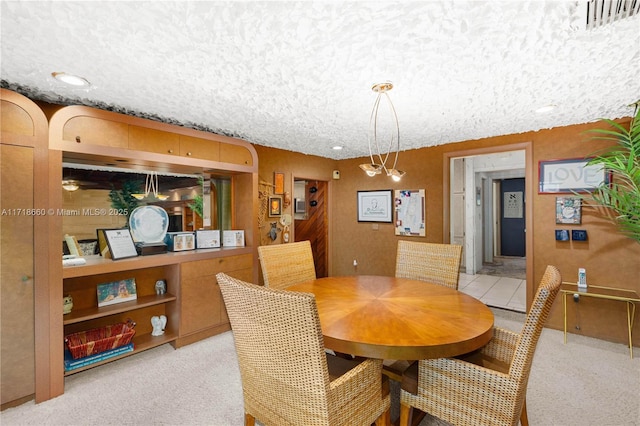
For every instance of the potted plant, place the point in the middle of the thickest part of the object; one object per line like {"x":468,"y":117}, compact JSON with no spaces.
{"x":197,"y":204}
{"x":122,"y":200}
{"x":619,"y":200}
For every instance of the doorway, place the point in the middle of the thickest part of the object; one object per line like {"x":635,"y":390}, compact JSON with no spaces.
{"x":473,"y":207}
{"x":476,"y":207}
{"x":311,"y":222}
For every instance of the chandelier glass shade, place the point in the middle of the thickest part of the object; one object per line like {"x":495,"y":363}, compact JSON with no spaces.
{"x":151,"y":187}
{"x":383,"y":155}
{"x":69,"y":185}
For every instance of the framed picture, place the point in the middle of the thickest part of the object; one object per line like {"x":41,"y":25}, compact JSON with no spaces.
{"x":117,"y":292}
{"x":275,"y":206}
{"x":572,"y":175}
{"x":568,"y":210}
{"x":375,"y":206}
{"x":278,"y":183}
{"x":120,"y":243}
{"x":409,"y":206}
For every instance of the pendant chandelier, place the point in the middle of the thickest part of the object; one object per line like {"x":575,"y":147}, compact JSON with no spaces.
{"x":379,"y":157}
{"x":151,"y":186}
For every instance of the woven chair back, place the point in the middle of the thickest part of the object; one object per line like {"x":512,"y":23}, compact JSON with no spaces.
{"x":286,"y":264}
{"x":285,"y":379}
{"x":431,"y":262}
{"x":534,"y":322}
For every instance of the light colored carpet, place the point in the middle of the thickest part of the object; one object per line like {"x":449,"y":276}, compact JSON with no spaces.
{"x":585,"y":382}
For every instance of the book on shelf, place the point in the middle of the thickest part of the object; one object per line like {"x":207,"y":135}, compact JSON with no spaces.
{"x":72,"y":364}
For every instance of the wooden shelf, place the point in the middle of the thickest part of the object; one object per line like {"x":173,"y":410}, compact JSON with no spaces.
{"x":92,"y":313}
{"x":107,"y":137}
{"x":98,"y":265}
{"x":140,"y":343}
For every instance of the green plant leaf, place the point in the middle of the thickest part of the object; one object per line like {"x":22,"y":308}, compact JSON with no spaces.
{"x":620,"y":199}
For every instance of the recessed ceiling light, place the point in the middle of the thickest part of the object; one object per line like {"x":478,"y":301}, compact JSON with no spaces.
{"x":71,"y":79}
{"x":337,"y":147}
{"x":546,"y":108}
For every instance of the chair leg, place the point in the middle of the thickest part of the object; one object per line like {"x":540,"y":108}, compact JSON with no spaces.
{"x":405,"y":415}
{"x":524,"y":420}
{"x":249,"y":420}
{"x":384,"y":419}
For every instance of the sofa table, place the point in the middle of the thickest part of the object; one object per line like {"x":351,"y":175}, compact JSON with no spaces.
{"x":630,"y":297}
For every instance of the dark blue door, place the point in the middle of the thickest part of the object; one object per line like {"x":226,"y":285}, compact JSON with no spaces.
{"x":512,"y":200}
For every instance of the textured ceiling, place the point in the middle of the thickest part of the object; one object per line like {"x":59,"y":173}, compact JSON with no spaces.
{"x":298,"y":75}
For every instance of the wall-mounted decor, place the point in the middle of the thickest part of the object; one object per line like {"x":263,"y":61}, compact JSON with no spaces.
{"x":579,"y":235}
{"x":275,"y":206}
{"x":513,"y":205}
{"x":410,"y":212}
{"x":572,"y":175}
{"x":278,"y":183}
{"x":568,"y":210}
{"x":562,"y":235}
{"x":374,"y":206}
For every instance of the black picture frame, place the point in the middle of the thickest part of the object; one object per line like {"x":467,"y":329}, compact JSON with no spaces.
{"x":275,"y":206}
{"x":375,"y":206}
{"x":120,"y":242}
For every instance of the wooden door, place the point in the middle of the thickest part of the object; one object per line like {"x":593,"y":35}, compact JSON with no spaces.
{"x":17,"y":272}
{"x":315,"y":227}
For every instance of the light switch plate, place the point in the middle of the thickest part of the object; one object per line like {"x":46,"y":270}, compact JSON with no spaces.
{"x":579,"y":235}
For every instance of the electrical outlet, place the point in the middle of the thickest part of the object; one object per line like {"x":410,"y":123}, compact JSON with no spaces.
{"x":355,"y":262}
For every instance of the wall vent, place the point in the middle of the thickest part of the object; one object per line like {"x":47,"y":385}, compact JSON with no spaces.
{"x":603,"y":12}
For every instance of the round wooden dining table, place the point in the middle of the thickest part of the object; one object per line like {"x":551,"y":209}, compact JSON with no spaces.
{"x":397,"y":318}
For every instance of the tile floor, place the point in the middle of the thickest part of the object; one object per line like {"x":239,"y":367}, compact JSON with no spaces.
{"x":499,"y":292}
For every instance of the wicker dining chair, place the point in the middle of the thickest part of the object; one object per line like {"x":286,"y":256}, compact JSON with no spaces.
{"x":488,"y":386}
{"x":435,"y":263}
{"x":287,"y":379}
{"x":286,"y":264}
{"x":431,"y":262}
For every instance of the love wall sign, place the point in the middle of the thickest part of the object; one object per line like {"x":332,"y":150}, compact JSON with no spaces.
{"x":568,"y":176}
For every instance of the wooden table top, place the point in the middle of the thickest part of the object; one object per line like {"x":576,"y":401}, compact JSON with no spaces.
{"x":397,"y":318}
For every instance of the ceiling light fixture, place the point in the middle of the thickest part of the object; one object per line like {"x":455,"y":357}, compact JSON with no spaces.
{"x":69,"y":185}
{"x":546,"y":108}
{"x":71,"y":79}
{"x":379,"y":163}
{"x":151,"y":186}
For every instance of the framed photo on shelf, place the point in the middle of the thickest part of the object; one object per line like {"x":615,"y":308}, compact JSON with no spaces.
{"x":120,"y":243}
{"x":375,"y":206}
{"x":409,"y":206}
{"x":572,"y":175}
{"x":117,"y":292}
{"x":275,"y":206}
{"x":568,"y":210}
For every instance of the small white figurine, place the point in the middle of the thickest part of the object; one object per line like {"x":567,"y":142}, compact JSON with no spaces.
{"x":67,"y":304}
{"x":158,"y":323}
{"x":161,"y":287}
